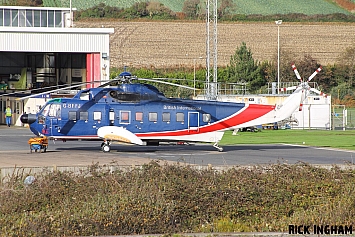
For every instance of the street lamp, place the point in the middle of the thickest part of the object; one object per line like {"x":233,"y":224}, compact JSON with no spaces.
{"x":278,"y":23}
{"x":195,"y":75}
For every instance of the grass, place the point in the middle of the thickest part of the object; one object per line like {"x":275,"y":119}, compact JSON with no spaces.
{"x":318,"y":138}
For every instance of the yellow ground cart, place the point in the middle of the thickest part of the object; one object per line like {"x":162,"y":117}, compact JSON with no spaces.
{"x":38,"y":144}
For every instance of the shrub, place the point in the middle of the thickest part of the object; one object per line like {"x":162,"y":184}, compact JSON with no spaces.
{"x":161,"y":199}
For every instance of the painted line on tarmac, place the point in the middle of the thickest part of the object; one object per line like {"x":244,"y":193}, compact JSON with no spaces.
{"x":14,"y":135}
{"x":320,"y":148}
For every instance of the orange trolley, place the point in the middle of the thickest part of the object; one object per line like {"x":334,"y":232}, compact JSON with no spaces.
{"x":38,"y":144}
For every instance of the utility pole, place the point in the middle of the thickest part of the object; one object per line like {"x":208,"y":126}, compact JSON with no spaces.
{"x":278,"y":23}
{"x":211,"y":45}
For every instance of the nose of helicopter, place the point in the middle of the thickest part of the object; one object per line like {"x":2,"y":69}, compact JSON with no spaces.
{"x":28,"y":118}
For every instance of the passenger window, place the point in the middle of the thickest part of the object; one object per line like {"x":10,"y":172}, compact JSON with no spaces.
{"x":139,"y":116}
{"x":125,"y":116}
{"x":166,"y":117}
{"x":97,"y":115}
{"x":180,"y":117}
{"x":72,"y":115}
{"x":153,"y":117}
{"x":84,"y":115}
{"x":206,"y":118}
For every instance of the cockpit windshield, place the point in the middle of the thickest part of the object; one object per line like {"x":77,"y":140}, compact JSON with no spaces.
{"x":51,"y":110}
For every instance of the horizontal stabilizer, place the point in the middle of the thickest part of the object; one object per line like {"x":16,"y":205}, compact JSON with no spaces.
{"x":121,"y":134}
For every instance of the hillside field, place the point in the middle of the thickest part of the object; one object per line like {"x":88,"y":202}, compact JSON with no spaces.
{"x":179,"y":44}
{"x":267,"y":7}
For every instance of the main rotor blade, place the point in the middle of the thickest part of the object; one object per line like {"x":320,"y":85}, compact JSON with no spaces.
{"x":66,"y":86}
{"x":59,"y":89}
{"x":43,"y":93}
{"x":43,"y":88}
{"x":172,"y":79}
{"x":168,"y":83}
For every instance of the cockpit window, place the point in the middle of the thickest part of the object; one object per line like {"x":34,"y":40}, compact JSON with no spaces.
{"x":54,"y":110}
{"x":45,"y":110}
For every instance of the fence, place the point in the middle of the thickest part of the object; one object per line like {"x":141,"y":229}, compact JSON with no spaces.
{"x":343,"y":118}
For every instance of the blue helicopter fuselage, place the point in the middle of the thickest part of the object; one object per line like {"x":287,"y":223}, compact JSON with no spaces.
{"x":141,"y":109}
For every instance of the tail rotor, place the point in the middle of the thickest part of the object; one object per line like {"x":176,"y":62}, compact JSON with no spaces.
{"x":304,"y":83}
{"x":304,"y":86}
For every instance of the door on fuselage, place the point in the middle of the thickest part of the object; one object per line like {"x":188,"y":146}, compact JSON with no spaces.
{"x":53,"y":114}
{"x":193,"y":121}
{"x":103,"y":116}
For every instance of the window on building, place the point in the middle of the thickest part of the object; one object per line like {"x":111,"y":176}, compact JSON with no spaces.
{"x":14,"y":18}
{"x":7,"y":17}
{"x":37,"y":18}
{"x":44,"y":19}
{"x":50,"y":18}
{"x":29,"y":18}
{"x":58,"y":18}
{"x":1,"y":17}
{"x":21,"y":18}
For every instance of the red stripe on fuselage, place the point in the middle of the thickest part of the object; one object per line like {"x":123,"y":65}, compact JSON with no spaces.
{"x":252,"y":112}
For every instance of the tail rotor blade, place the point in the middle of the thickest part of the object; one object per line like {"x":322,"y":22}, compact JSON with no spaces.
{"x":288,"y":88}
{"x":296,"y":72}
{"x":318,"y":92}
{"x":315,"y":73}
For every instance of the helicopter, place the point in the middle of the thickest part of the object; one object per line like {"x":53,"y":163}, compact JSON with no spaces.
{"x":138,"y":113}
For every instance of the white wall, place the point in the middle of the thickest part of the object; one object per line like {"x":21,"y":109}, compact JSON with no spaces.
{"x":315,"y":113}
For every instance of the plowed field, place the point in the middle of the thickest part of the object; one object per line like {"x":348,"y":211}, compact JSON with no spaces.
{"x":177,"y":44}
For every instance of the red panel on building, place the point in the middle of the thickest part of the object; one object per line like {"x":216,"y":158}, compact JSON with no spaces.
{"x":93,"y":72}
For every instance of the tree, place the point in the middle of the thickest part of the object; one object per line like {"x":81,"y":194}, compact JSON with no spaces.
{"x":191,"y":8}
{"x":158,"y":10}
{"x":31,"y":3}
{"x":243,"y":68}
{"x":326,"y":79}
{"x":347,"y":60}
{"x":226,"y":8}
{"x":307,"y":66}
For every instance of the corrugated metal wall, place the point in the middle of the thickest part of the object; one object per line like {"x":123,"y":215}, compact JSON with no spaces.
{"x":53,"y":42}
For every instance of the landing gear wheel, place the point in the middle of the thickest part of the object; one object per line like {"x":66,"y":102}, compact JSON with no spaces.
{"x":220,"y":149}
{"x":106,"y":148}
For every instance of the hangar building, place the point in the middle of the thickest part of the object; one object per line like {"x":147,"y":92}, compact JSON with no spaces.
{"x":40,"y":48}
